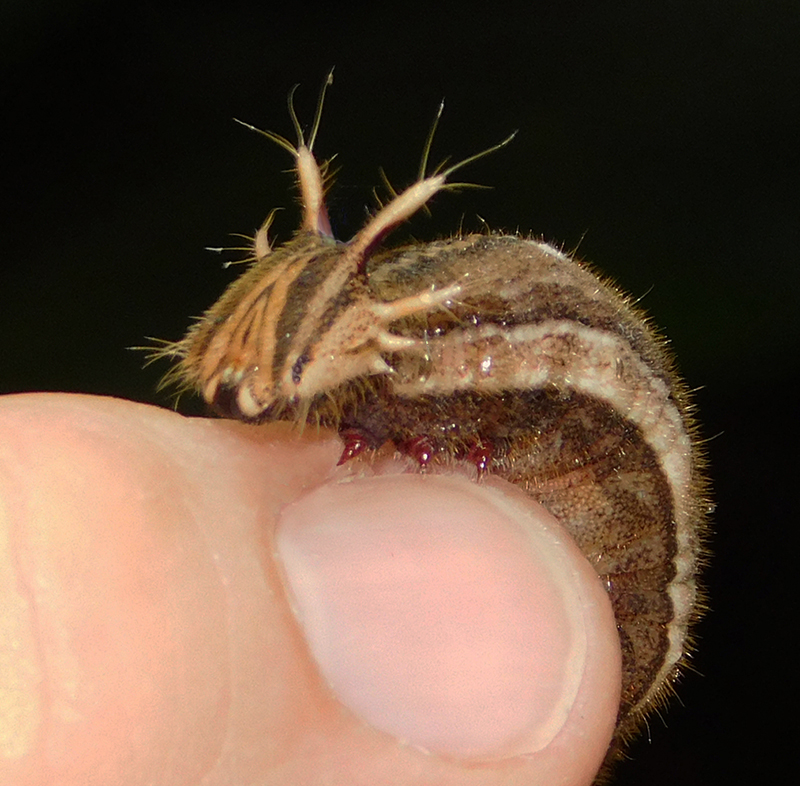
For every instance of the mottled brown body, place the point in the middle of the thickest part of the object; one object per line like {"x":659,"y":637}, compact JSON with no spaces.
{"x":495,"y":349}
{"x":516,"y":363}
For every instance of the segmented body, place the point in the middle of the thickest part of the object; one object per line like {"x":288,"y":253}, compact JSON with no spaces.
{"x":494,"y":349}
{"x":575,"y":395}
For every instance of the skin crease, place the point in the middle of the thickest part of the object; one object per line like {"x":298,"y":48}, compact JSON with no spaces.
{"x":146,"y":635}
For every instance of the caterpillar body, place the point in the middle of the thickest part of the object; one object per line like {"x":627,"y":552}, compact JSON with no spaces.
{"x":495,"y":349}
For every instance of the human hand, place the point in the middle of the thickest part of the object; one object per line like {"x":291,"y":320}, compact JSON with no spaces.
{"x":198,"y":601}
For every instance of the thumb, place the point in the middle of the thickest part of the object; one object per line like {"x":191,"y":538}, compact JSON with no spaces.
{"x":459,"y":619}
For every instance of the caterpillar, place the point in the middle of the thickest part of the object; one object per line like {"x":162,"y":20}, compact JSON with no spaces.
{"x":494,"y":349}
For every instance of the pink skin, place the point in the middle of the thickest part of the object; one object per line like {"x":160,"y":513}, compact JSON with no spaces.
{"x":202,"y":602}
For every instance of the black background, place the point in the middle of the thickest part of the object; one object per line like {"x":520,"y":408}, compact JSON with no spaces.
{"x":660,"y":138}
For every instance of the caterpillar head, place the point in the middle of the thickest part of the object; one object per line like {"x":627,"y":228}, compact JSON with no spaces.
{"x":300,"y":322}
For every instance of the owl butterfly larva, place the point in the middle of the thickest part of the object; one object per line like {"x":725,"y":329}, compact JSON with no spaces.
{"x":494,"y":349}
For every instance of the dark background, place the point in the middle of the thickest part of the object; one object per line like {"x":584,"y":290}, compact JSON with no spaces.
{"x":661,"y":138}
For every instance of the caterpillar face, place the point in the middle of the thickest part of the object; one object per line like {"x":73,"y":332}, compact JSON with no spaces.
{"x":496,"y":349}
{"x":298,"y":324}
